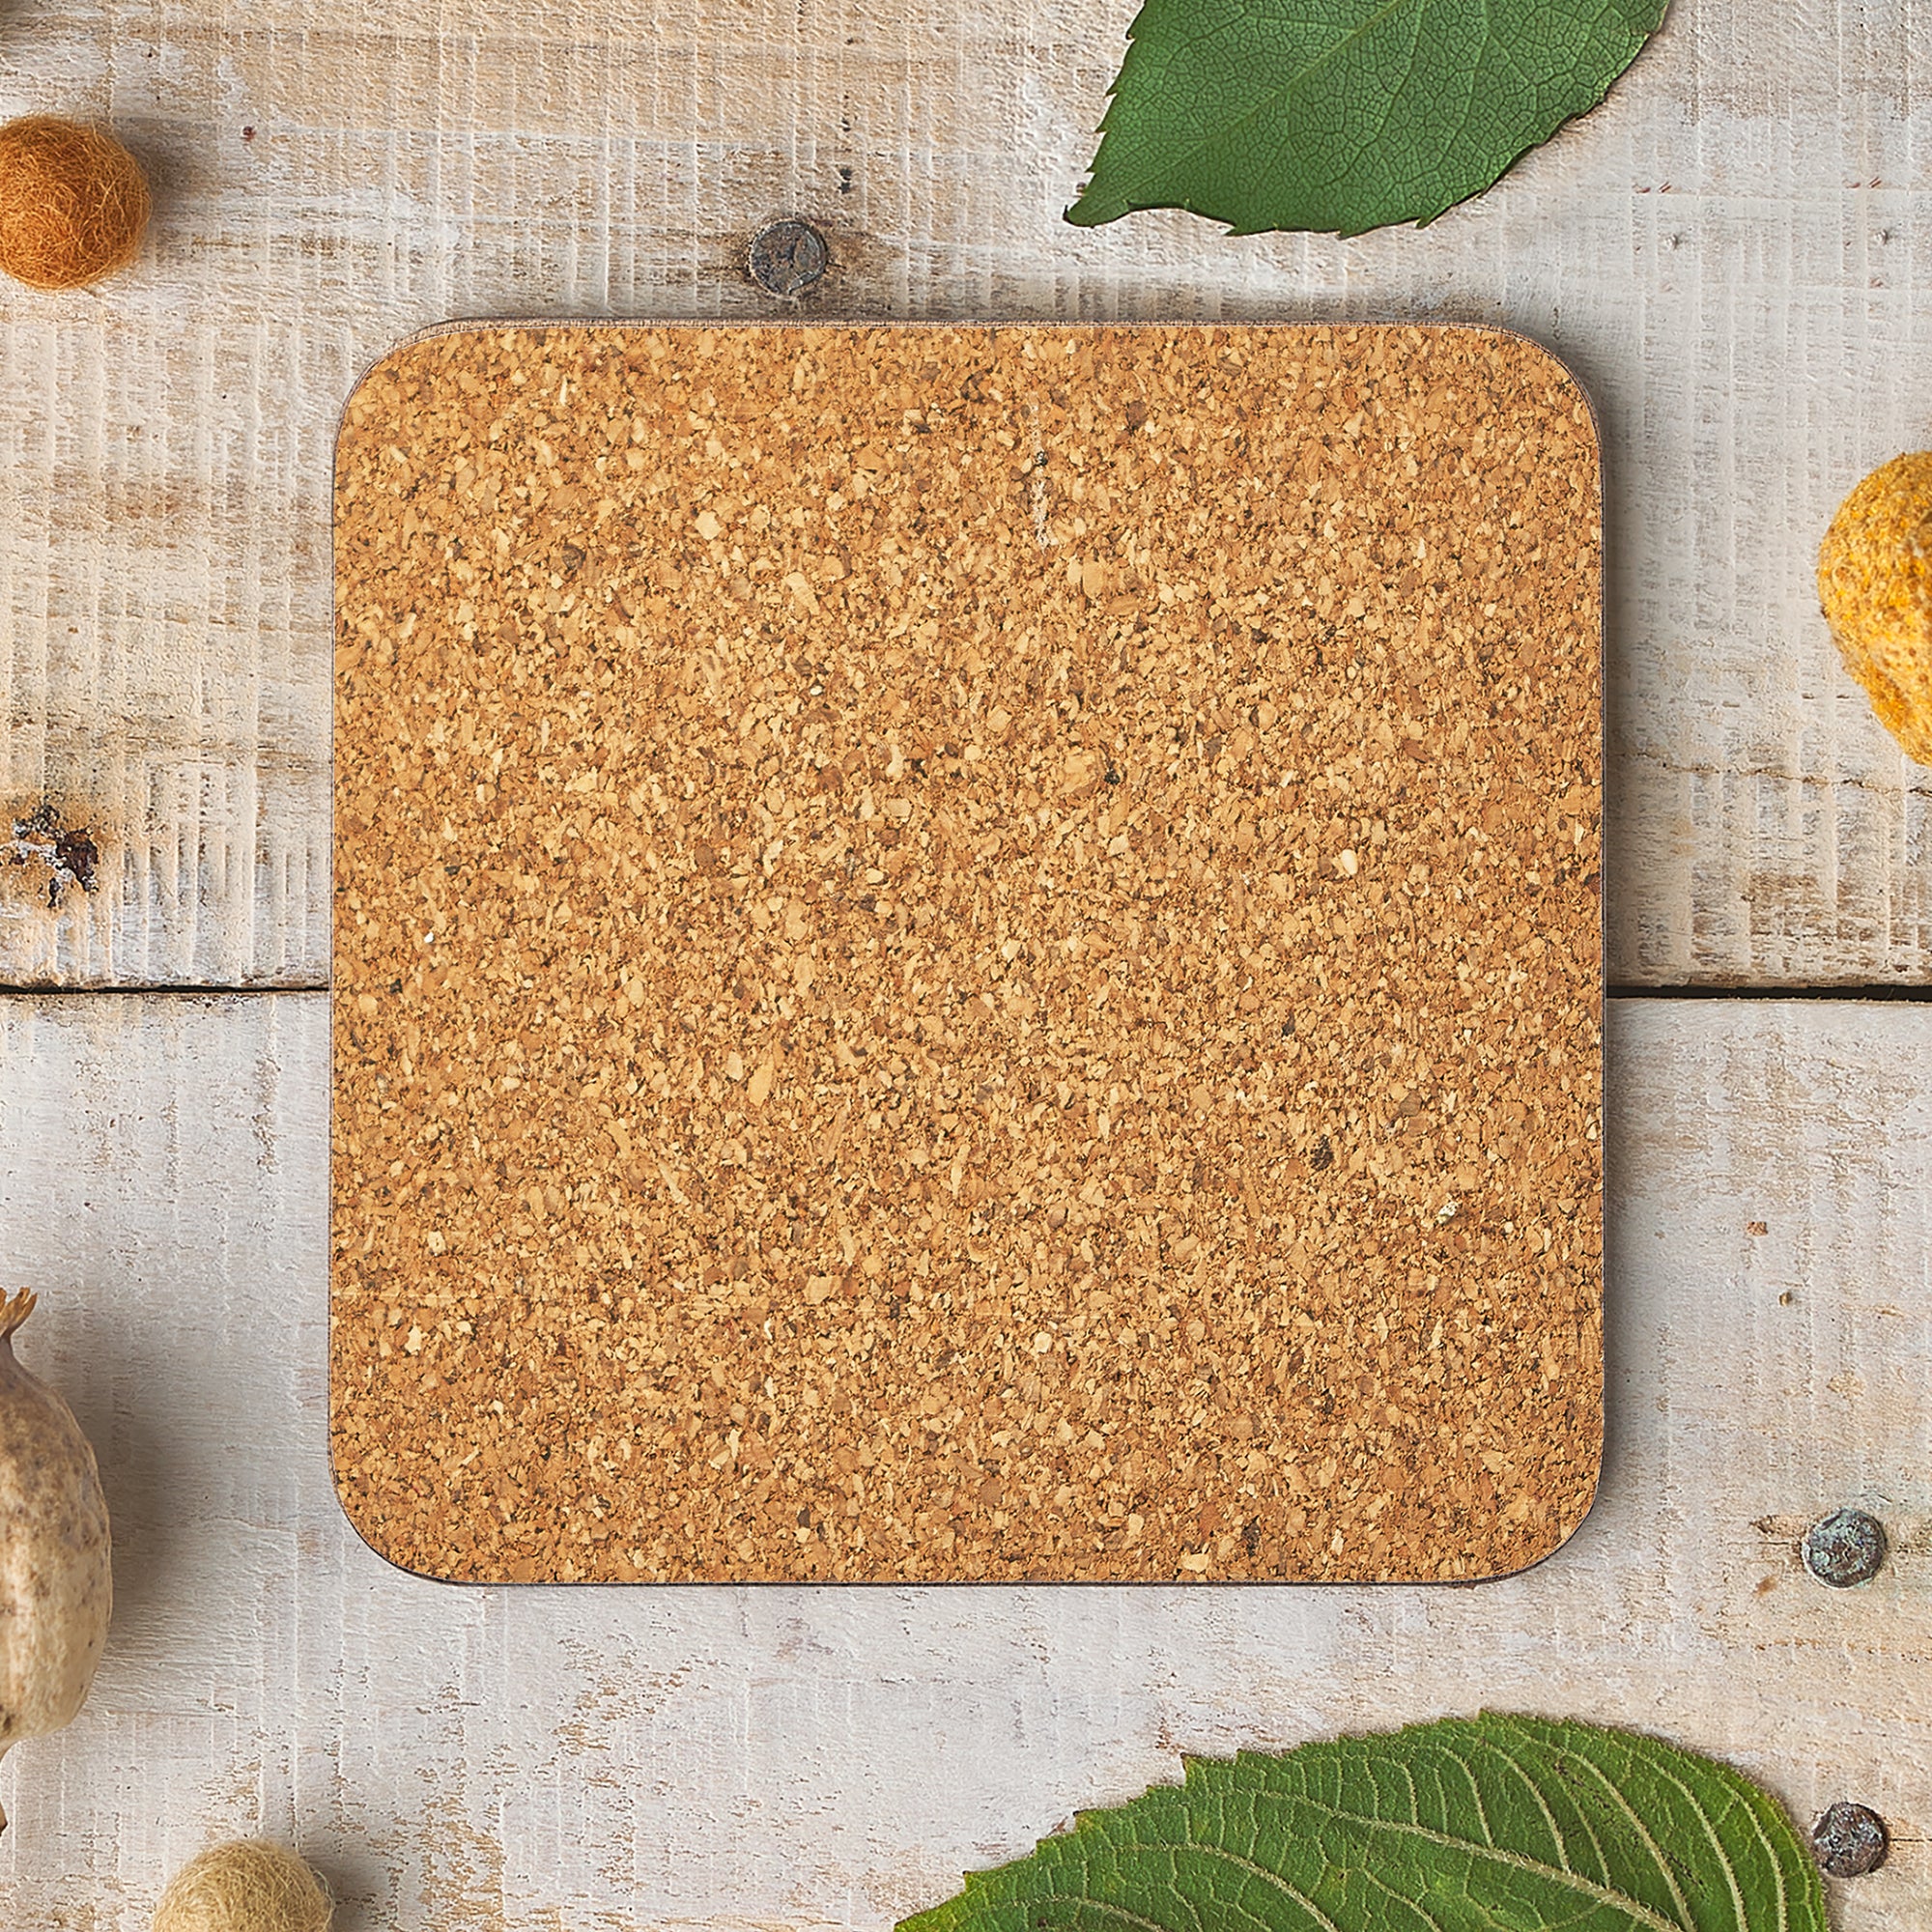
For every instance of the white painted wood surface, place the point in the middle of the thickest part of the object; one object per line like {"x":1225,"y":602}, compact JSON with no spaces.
{"x":1730,"y":252}
{"x":532,"y":1760}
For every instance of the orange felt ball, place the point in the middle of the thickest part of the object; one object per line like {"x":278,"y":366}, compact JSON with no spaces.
{"x":74,"y":202}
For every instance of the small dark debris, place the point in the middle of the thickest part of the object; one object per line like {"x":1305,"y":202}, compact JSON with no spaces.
{"x":1850,"y":1840}
{"x":1251,"y":1537}
{"x":1113,"y":776}
{"x":1137,"y":414}
{"x":77,"y":855}
{"x":1323,"y":1156}
{"x":70,"y":853}
{"x":787,"y":257}
{"x":573,"y":560}
{"x":1287,"y":1027}
{"x":844,"y":181}
{"x":247,"y":134}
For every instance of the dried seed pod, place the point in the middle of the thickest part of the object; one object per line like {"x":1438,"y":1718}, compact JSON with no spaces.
{"x":1875,"y":588}
{"x":56,"y":1580}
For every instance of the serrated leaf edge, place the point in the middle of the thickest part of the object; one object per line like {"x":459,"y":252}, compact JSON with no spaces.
{"x":1073,"y":215}
{"x":1354,"y":32}
{"x":1753,"y":1801}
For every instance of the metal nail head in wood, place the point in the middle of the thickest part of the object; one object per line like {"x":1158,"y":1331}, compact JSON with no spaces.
{"x":1845,"y":1548}
{"x":787,"y":257}
{"x":1850,"y":1840}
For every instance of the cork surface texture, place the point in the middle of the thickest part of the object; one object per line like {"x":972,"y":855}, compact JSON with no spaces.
{"x":967,"y":954}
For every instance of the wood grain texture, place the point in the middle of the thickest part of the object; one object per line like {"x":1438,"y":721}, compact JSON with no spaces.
{"x":537,"y":1759}
{"x":1722,"y":251}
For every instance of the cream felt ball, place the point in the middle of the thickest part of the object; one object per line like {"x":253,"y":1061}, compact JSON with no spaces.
{"x":248,"y":1886}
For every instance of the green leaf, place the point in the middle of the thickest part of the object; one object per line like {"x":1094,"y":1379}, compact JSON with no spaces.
{"x":1344,"y":115}
{"x":1494,"y":1824}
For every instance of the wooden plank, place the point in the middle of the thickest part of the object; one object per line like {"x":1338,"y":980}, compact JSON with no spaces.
{"x":1726,"y":253}
{"x":535,"y":1759}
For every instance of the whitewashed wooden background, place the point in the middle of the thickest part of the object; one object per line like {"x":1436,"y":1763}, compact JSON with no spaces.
{"x":558,"y":1760}
{"x":1733,"y":254}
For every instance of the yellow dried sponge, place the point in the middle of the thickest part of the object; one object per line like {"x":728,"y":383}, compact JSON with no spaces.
{"x":74,"y":202}
{"x":1875,"y":583}
{"x":244,"y":1886}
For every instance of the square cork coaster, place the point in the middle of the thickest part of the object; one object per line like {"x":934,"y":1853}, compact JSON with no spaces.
{"x":967,"y":954}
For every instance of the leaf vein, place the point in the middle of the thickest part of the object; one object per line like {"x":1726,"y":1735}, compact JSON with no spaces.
{"x":1604,"y":1894}
{"x":1512,"y":1767}
{"x":1301,"y":1898}
{"x":1717,"y":1843}
{"x":1650,"y":1844}
{"x":1172,"y":160}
